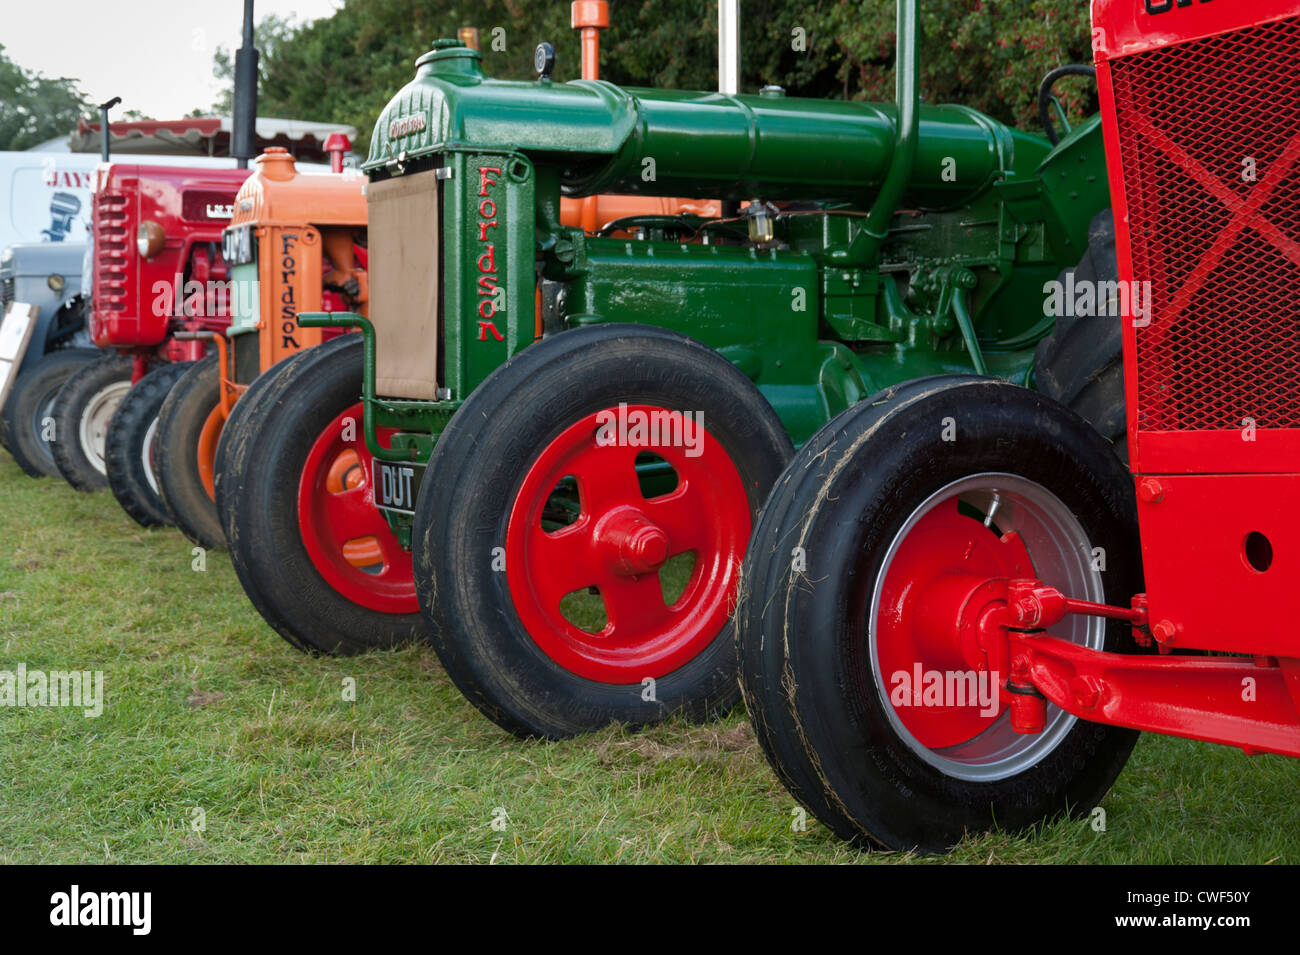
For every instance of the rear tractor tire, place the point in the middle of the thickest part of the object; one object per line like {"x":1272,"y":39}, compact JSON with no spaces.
{"x":1081,"y":364}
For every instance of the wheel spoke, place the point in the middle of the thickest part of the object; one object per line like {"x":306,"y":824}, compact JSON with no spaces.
{"x":679,"y":514}
{"x":562,"y":562}
{"x":397,"y":562}
{"x":606,"y":478}
{"x":635,"y":606}
{"x":350,"y":515}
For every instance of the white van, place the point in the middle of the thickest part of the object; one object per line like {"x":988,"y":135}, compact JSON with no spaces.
{"x":45,"y":197}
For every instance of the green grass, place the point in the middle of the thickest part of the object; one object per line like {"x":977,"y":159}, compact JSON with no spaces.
{"x":207,"y":708}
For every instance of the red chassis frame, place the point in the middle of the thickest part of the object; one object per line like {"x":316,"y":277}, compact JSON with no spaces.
{"x":1207,"y":493}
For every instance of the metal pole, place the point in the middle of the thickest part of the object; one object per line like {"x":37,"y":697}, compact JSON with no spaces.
{"x":103,"y":126}
{"x":243,"y":131}
{"x":729,"y":46}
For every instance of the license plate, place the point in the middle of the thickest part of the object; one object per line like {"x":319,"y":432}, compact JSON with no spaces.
{"x":15,"y":333}
{"x":396,"y":485}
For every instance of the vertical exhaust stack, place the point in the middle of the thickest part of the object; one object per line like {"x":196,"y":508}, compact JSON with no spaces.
{"x":243,"y":133}
{"x":337,"y":145}
{"x":729,"y":68}
{"x":103,"y":126}
{"x":729,"y":47}
{"x":590,"y":17}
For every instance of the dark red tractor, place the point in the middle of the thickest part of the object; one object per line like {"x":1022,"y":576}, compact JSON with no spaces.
{"x":159,"y":282}
{"x":960,"y":607}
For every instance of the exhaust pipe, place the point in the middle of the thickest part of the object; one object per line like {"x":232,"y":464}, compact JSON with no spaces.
{"x":590,"y":17}
{"x":243,"y":132}
{"x":337,"y":145}
{"x":729,"y":69}
{"x":729,"y":47}
{"x":103,"y":126}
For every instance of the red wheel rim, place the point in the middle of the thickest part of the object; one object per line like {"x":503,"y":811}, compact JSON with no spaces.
{"x":346,"y":536}
{"x":943,"y":546}
{"x":618,"y":542}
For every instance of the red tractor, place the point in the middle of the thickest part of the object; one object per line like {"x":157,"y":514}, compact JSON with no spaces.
{"x":158,"y":278}
{"x":959,"y":607}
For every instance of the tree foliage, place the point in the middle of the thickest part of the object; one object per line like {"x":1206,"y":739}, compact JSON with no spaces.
{"x":34,"y":108}
{"x":989,"y":54}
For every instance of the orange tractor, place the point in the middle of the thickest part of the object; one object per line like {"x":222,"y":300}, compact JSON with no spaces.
{"x":310,"y":231}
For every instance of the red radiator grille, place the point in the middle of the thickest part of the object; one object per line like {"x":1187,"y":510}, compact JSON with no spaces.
{"x":1222,"y":253}
{"x":111,"y":240}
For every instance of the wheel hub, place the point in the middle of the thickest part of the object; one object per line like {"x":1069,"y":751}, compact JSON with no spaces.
{"x":630,"y":543}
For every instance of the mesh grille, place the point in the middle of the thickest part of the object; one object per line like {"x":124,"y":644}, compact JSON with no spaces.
{"x":110,"y":249}
{"x":1222,"y":252}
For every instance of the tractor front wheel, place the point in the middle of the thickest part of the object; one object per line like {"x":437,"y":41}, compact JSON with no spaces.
{"x":131,"y":449}
{"x":578,"y":538}
{"x":189,"y":428}
{"x":881,"y":715}
{"x":82,"y":411}
{"x":295,"y":495}
{"x":29,"y":410}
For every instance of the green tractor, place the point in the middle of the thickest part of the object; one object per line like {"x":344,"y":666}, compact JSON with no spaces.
{"x":573,"y":434}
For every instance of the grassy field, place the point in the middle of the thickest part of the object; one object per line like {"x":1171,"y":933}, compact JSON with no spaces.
{"x":206,"y":709}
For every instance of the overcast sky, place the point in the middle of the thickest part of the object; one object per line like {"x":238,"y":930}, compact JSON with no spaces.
{"x":155,"y":54}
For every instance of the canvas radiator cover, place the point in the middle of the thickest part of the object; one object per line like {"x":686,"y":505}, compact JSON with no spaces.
{"x":404,"y":234}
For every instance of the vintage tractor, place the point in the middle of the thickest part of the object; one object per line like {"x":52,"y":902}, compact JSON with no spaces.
{"x":157,"y":271}
{"x":338,"y":579}
{"x":47,"y":277}
{"x":295,"y":242}
{"x":959,"y":608}
{"x":578,"y":507}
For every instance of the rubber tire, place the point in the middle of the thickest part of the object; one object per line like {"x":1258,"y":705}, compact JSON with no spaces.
{"x":124,"y":447}
{"x":474,"y":476}
{"x":1081,"y":364}
{"x":777,"y":733}
{"x":274,"y":429}
{"x":70,"y":405}
{"x":36,"y":388}
{"x":180,"y":422}
{"x":234,"y":432}
{"x":847,"y":492}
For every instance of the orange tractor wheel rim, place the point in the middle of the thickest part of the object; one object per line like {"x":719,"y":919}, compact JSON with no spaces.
{"x":207,"y":450}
